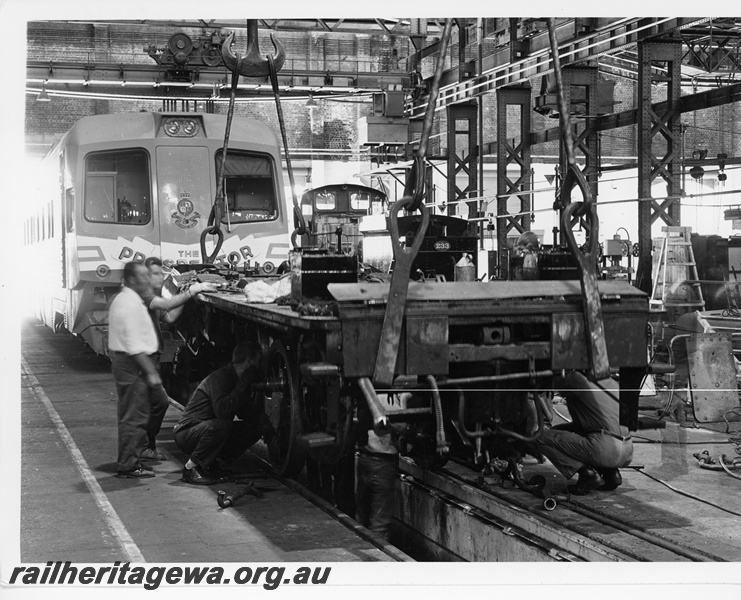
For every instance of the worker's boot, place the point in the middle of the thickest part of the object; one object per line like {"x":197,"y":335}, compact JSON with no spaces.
{"x":197,"y":476}
{"x":589,"y":480}
{"x":612,"y":479}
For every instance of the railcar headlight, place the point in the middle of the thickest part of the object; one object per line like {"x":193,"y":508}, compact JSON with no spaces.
{"x":172,"y":127}
{"x":181,"y":127}
{"x":103,"y":271}
{"x":190,"y":127}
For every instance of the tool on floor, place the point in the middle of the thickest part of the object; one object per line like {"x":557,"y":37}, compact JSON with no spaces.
{"x":227,"y":501}
{"x":723,"y":463}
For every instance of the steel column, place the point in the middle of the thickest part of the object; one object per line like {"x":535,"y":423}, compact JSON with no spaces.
{"x":652,"y":123}
{"x":462,"y":157}
{"x":509,"y":151}
{"x":586,"y":147}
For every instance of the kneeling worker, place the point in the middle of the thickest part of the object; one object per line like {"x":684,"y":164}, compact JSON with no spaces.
{"x":594,"y":444}
{"x":207,"y":429}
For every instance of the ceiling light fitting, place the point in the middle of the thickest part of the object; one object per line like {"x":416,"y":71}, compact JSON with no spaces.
{"x":43,"y":95}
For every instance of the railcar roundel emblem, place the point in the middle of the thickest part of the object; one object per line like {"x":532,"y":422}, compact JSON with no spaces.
{"x":442,"y":245}
{"x":186,"y":216}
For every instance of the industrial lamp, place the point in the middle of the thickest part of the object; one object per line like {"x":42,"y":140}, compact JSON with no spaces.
{"x":311,"y":103}
{"x":43,"y":96}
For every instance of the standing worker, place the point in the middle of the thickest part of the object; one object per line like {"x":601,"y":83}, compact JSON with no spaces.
{"x":167,"y":310}
{"x":594,"y":444}
{"x":527,"y":247}
{"x":132,"y":344}
{"x":132,"y":340}
{"x":221,"y":419}
{"x":160,"y":310}
{"x":376,"y":470}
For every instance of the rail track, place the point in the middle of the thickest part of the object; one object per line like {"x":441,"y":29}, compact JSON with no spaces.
{"x":453,"y":515}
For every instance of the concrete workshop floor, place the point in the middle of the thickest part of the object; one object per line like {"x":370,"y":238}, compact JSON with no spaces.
{"x":657,"y":498}
{"x":166,"y":519}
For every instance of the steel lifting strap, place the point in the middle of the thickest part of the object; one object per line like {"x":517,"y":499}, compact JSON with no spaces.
{"x":301,"y":229}
{"x":571,"y":212}
{"x":388,"y":347}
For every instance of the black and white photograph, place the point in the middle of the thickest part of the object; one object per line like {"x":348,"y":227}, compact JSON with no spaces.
{"x":300,"y":299}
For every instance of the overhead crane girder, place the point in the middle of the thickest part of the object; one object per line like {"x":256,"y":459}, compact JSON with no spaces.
{"x":577,"y":44}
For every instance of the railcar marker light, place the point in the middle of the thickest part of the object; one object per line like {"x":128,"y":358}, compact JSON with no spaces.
{"x":103,"y":271}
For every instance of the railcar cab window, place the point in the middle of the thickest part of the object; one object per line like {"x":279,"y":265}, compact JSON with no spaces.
{"x":250,"y":187}
{"x":325,"y":201}
{"x":117,"y":187}
{"x":360,"y":201}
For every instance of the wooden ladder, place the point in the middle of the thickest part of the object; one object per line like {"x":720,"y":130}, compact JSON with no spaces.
{"x":676,"y":286}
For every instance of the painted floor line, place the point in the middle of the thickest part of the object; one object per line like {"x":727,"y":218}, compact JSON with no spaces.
{"x":130,"y":549}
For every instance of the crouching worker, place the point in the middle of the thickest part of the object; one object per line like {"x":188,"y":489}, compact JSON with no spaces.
{"x":221,"y":419}
{"x":593,"y":444}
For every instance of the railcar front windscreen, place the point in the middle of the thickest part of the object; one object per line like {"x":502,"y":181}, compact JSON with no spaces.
{"x":117,"y":188}
{"x":250,"y":187}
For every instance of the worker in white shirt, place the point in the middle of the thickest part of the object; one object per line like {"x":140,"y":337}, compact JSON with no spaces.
{"x":132,"y":341}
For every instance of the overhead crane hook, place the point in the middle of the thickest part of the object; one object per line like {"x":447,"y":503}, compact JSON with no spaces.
{"x":253,"y":64}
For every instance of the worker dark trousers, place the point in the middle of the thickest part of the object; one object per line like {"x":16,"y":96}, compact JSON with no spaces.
{"x":375,"y":479}
{"x":579,"y":443}
{"x":133,"y":410}
{"x":216,"y":438}
{"x":160,"y":401}
{"x":569,"y":451}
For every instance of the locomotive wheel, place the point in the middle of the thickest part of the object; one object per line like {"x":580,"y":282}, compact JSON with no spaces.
{"x":283,"y":408}
{"x":346,"y":434}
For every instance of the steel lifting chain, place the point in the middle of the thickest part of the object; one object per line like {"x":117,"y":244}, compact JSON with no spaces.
{"x":414,"y":184}
{"x":253,"y":64}
{"x":301,"y":229}
{"x":219,"y":208}
{"x":573,"y":177}
{"x":571,"y":212}
{"x":415,"y":179}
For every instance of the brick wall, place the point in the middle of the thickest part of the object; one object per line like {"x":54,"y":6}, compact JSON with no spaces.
{"x":334,"y":122}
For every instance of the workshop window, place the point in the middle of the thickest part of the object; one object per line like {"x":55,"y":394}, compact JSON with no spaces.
{"x":250,"y":188}
{"x":117,"y":187}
